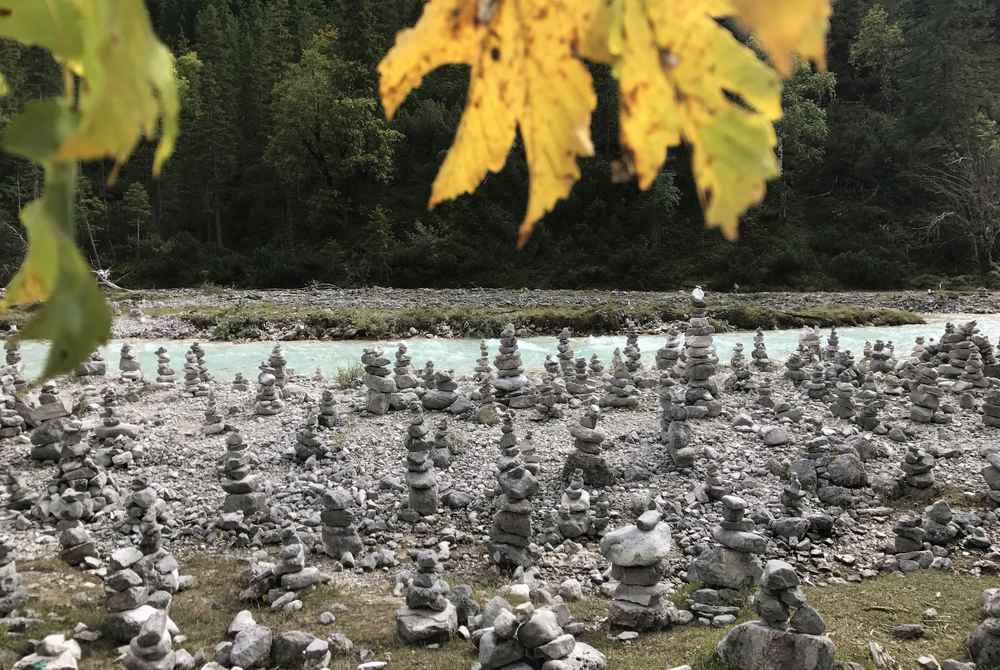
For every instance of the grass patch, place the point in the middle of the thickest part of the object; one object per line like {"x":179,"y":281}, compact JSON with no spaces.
{"x":855,"y":614}
{"x":251,"y":321}
{"x":346,"y":376}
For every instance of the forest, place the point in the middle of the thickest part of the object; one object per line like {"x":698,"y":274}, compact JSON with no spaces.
{"x":287,"y":172}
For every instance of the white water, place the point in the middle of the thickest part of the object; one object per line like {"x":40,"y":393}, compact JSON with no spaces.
{"x":225,"y":359}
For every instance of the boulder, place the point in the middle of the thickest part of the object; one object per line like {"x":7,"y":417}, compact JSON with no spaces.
{"x":755,"y":646}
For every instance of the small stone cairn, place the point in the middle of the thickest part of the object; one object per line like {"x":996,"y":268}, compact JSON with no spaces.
{"x":341,"y":541}
{"x":199,"y":355}
{"x":420,"y":475}
{"x":551,"y":366}
{"x":793,"y":368}
{"x":956,"y":346}
{"x":700,"y":361}
{"x":667,"y":356}
{"x":112,"y":427}
{"x":984,"y":643}
{"x":307,"y":443}
{"x":75,"y":541}
{"x":620,"y":392}
{"x":11,"y":423}
{"x":243,"y":489}
{"x":280,"y":584}
{"x":487,"y":413}
{"x":444,"y":443}
{"x":843,"y":404}
{"x":734,"y":565}
{"x":165,"y":375}
{"x":715,"y":486}
{"x":574,"y":509}
{"x":12,"y":593}
{"x":926,"y":397}
{"x":445,"y":391}
{"x":213,"y":423}
{"x":587,"y":454}
{"x":764,"y":399}
{"x":991,"y":409}
{"x":781,"y":638}
{"x":809,"y":343}
{"x":129,"y":369}
{"x":380,"y":386}
{"x":579,"y":385}
{"x":511,"y":532}
{"x":972,"y":376}
{"x":402,"y":372}
{"x":269,"y":401}
{"x":428,"y":615}
{"x":94,"y":366}
{"x":918,"y":474}
{"x":529,"y":454}
{"x":991,"y":473}
{"x":633,"y":356}
{"x":792,"y":525}
{"x":142,"y":503}
{"x":54,"y":652}
{"x":832,"y":345}
{"x":759,"y":353}
{"x":816,"y":388}
{"x":152,"y":648}
{"x":277,"y":362}
{"x":193,"y":385}
{"x":674,"y":431}
{"x":596,"y":368}
{"x":483,"y":370}
{"x":741,"y":378}
{"x":427,"y":376}
{"x":565,"y":354}
{"x":240,"y":383}
{"x":20,"y":498}
{"x":547,"y":403}
{"x":328,"y":417}
{"x":511,"y":384}
{"x":637,"y":555}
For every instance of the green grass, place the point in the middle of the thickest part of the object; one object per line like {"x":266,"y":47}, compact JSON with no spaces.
{"x":247,"y":321}
{"x":348,"y":375}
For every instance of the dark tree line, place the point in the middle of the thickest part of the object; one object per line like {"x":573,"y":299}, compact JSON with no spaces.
{"x":287,"y":171}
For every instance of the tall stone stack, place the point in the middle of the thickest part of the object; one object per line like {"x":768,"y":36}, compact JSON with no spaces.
{"x":341,"y":541}
{"x":12,"y":353}
{"x":199,"y":355}
{"x":956,"y":345}
{"x":832,"y":345}
{"x":483,"y":369}
{"x":972,"y":375}
{"x":596,"y":368}
{"x":666,"y":357}
{"x":193,"y":386}
{"x":700,"y":361}
{"x":165,"y":375}
{"x":620,"y":392}
{"x":269,"y":402}
{"x":793,"y":368}
{"x":11,"y":422}
{"x":511,"y":533}
{"x":157,"y":567}
{"x":785,"y":639}
{"x":143,"y":503}
{"x":587,"y":454}
{"x":574,"y":509}
{"x":674,"y":431}
{"x":129,"y":369}
{"x":94,"y":366}
{"x":328,"y":417}
{"x":988,"y":354}
{"x":277,"y":362}
{"x":428,"y":616}
{"x":243,"y":489}
{"x":420,"y":475}
{"x":759,"y":353}
{"x":444,"y":445}
{"x":633,"y":356}
{"x":991,"y":408}
{"x":12,"y":593}
{"x":402,"y":372}
{"x":511,"y":385}
{"x":741,"y":379}
{"x":926,"y":397}
{"x":565,"y":354}
{"x":809,"y":343}
{"x":380,"y":385}
{"x":427,"y":376}
{"x":112,"y":427}
{"x":734,"y":564}
{"x":579,"y":385}
{"x":487,"y":413}
{"x":637,"y":555}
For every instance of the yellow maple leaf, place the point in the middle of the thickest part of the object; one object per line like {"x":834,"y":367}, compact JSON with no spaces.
{"x":683,"y":77}
{"x":787,"y":27}
{"x":524,"y":76}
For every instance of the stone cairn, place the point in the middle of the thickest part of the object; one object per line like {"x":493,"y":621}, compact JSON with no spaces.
{"x":380,"y":385}
{"x":955,"y":347}
{"x":727,"y":569}
{"x":277,"y":362}
{"x":574,"y":509}
{"x":759,"y":353}
{"x":420,"y":475}
{"x":843,"y":404}
{"x":152,"y":648}
{"x":832,"y":345}
{"x":240,"y":383}
{"x":972,"y":376}
{"x":402,"y":373}
{"x":12,"y":594}
{"x":443,"y":445}
{"x":637,"y":555}
{"x":666,"y":357}
{"x":809,"y":343}
{"x":674,"y":431}
{"x":55,"y":652}
{"x":633,"y":356}
{"x":991,"y":473}
{"x":280,"y":584}
{"x":715,"y":486}
{"x":20,"y":498}
{"x":793,"y":368}
{"x":918,"y":474}
{"x":579,"y":384}
{"x":428,"y":615}
{"x":926,"y":397}
{"x":341,"y":541}
{"x":112,"y":428}
{"x":596,"y":368}
{"x":94,"y":366}
{"x":129,"y":369}
{"x":193,"y":384}
{"x":792,"y":525}
{"x":11,"y":423}
{"x":511,"y":531}
{"x":142,"y":503}
{"x":546,"y":402}
{"x":427,"y":376}
{"x":199,"y":356}
{"x":307,"y":443}
{"x":984,"y":643}
{"x":165,"y":375}
{"x":483,"y":370}
{"x":213,"y":423}
{"x":565,"y":354}
{"x":445,"y":391}
{"x":741,"y":378}
{"x":620,"y":391}
{"x":529,"y":454}
{"x":74,"y":539}
{"x":269,"y":401}
{"x":243,"y":490}
{"x":328,"y":417}
{"x":816,"y":388}
{"x":487,"y":413}
{"x":789,"y":634}
{"x":764,"y":399}
{"x":157,"y":567}
{"x":551,"y":366}
{"x":46,"y":440}
{"x":587,"y":454}
{"x":511,"y":384}
{"x":700,"y":361}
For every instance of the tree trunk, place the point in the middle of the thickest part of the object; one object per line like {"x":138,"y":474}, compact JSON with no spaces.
{"x":984,"y":255}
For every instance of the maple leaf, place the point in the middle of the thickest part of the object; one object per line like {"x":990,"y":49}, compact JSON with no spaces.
{"x":683,"y":77}
{"x":524,"y":76}
{"x":786,"y":28}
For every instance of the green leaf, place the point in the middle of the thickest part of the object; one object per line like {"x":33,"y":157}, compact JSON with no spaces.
{"x":39,"y":130}
{"x":53,"y":24}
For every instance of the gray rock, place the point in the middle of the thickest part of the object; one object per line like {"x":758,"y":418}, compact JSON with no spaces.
{"x":583,"y":657}
{"x":755,"y":646}
{"x":251,"y":647}
{"x":426,"y":626}
{"x":287,"y":648}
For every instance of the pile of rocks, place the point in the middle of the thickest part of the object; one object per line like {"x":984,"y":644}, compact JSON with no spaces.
{"x":700,"y":361}
{"x":843,"y":404}
{"x":511,"y":534}
{"x":633,"y":357}
{"x":340,"y":535}
{"x":587,"y":454}
{"x":12,"y":594}
{"x":402,"y":372}
{"x":832,"y":345}
{"x":574,"y":509}
{"x":991,"y":473}
{"x":74,"y":539}
{"x":94,"y":366}
{"x":667,"y":357}
{"x":926,"y":397}
{"x":511,"y":384}
{"x":620,"y":391}
{"x":165,"y":375}
{"x":984,"y":643}
{"x":152,"y":648}
{"x":126,"y":595}
{"x":243,"y":490}
{"x":446,"y":445}
{"x":20,"y":497}
{"x":781,"y":639}
{"x":54,"y":652}
{"x":143,"y":503}
{"x":565,"y":354}
{"x":381,"y":387}
{"x":793,"y":368}
{"x":956,"y":346}
{"x":269,"y":401}
{"x":483,"y":369}
{"x":420,"y":475}
{"x":579,"y":385}
{"x":792,"y":526}
{"x":918,"y":474}
{"x":277,"y":363}
{"x":193,"y":384}
{"x":972,"y":374}
{"x":741,"y":378}
{"x":280,"y":584}
{"x":328,"y":417}
{"x":428,"y":615}
{"x":596,"y":368}
{"x":213,"y":423}
{"x":809,"y":343}
{"x":129,"y":369}
{"x":240,"y":383}
{"x":674,"y":431}
{"x":487,"y":413}
{"x":11,"y":423}
{"x":637,"y":555}
{"x":307,"y":443}
{"x":834,"y":472}
{"x":546,"y":401}
{"x":733,"y":566}
{"x":759,"y":353}
{"x":444,"y":395}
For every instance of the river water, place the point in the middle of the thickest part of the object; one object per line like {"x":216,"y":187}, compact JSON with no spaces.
{"x":225,"y":359}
